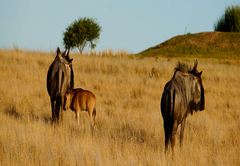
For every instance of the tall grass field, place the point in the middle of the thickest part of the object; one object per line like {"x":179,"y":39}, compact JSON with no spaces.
{"x":129,"y":125}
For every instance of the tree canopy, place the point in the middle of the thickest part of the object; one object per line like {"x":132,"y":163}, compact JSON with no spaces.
{"x":82,"y":32}
{"x":229,"y":21}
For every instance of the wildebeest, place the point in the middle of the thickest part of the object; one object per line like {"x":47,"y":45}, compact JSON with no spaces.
{"x":81,"y":100}
{"x":183,"y":94}
{"x":60,"y":79}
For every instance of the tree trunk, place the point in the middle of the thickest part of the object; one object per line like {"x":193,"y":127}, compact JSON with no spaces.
{"x":79,"y":50}
{"x":84,"y":45}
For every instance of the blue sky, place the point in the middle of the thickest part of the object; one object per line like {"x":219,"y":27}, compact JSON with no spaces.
{"x":131,"y":25}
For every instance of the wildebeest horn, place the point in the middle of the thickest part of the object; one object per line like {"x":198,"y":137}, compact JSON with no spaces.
{"x":65,"y":52}
{"x":67,"y":56}
{"x":58,"y":50}
{"x":195,"y":64}
{"x":59,"y":55}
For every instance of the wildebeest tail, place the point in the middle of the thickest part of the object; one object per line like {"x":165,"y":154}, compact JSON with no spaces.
{"x":60,"y":78}
{"x":166,"y":104}
{"x":172,"y":99}
{"x":169,"y":107}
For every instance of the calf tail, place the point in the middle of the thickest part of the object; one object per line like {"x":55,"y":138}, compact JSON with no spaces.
{"x":94,"y":111}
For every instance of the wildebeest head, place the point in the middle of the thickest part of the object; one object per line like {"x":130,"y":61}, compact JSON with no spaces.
{"x":67,"y":56}
{"x":197,"y":89}
{"x":63,"y":56}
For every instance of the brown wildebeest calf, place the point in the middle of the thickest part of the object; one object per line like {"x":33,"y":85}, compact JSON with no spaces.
{"x":81,"y":100}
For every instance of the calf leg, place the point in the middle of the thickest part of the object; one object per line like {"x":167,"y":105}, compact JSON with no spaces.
{"x":77,"y":115}
{"x":94,"y":115}
{"x":92,"y":118}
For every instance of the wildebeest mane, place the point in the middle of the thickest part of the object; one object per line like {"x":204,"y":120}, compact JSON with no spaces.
{"x":184,"y":67}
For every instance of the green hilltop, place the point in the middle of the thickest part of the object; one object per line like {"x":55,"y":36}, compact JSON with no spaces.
{"x":221,"y":45}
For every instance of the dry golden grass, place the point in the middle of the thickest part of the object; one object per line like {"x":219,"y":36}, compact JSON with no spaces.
{"x":129,"y":125}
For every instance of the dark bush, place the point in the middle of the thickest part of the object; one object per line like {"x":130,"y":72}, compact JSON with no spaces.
{"x":229,"y":21}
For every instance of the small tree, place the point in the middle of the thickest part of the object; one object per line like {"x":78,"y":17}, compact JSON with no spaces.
{"x":80,"y":33}
{"x":229,"y":21}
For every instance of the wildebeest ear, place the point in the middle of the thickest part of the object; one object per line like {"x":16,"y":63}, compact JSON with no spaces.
{"x":70,"y":60}
{"x":199,"y":74}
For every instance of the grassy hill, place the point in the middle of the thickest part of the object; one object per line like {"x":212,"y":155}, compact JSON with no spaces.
{"x":222,"y":45}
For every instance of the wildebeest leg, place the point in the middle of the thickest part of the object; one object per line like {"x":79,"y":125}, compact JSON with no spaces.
{"x":53,"y":110}
{"x":61,"y":112}
{"x":182,"y":131}
{"x":57,"y":108}
{"x":175,"y":126}
{"x":61,"y":107}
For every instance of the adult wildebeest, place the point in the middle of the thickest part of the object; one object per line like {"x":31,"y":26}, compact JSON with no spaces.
{"x":182,"y":94}
{"x":81,"y":100}
{"x":60,"y":79}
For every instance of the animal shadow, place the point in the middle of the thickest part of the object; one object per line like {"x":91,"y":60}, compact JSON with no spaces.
{"x":11,"y":111}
